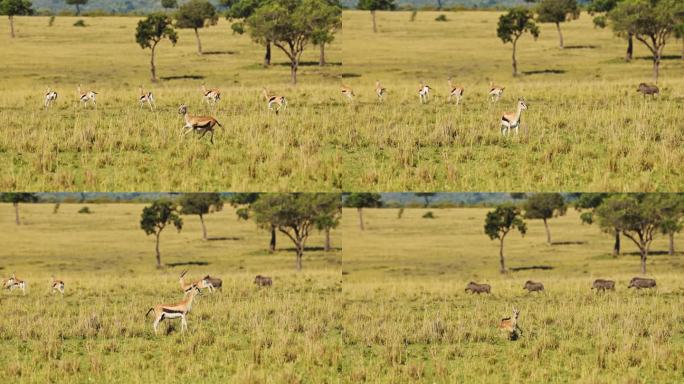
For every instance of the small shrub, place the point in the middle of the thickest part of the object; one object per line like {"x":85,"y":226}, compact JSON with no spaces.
{"x":429,"y":215}
{"x":80,"y":23}
{"x":52,"y":21}
{"x":85,"y":210}
{"x":441,"y":17}
{"x":414,"y":13}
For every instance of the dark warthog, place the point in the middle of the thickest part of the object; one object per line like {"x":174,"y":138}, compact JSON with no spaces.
{"x":640,"y":282}
{"x":602,"y":285}
{"x":646,"y":89}
{"x":532,"y":286}
{"x":474,"y":287}
{"x":263,"y":281}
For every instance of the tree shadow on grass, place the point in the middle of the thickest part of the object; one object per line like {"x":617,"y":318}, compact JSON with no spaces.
{"x":311,"y":64}
{"x":185,"y":263}
{"x":589,"y":46}
{"x":568,"y":242}
{"x":225,"y":238}
{"x":532,"y":267}
{"x":183,"y":77}
{"x":663,"y":57}
{"x":221,"y":53}
{"x":650,"y":253}
{"x":544,"y":72}
{"x":348,"y":75}
{"x":311,"y":249}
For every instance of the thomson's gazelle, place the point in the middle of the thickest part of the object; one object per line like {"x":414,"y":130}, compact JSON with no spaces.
{"x":455,"y":92}
{"x":14,"y":283}
{"x":348,"y":92}
{"x":56,"y":286}
{"x":211,"y":95}
{"x":495,"y":91}
{"x":272,"y":100}
{"x":511,"y":120}
{"x":510,"y":325}
{"x":86,"y":97}
{"x":202,"y":124}
{"x":174,"y":311}
{"x":50,"y":98}
{"x":146,"y":97}
{"x":380,"y":90}
{"x":424,"y":92}
{"x":204,"y":283}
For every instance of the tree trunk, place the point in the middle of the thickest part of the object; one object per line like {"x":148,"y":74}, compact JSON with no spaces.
{"x":548,"y":232}
{"x":153,"y":69}
{"x":321,"y":60}
{"x":682,"y":47}
{"x":204,"y":228}
{"x":644,"y":254}
{"x":16,"y":213}
{"x":300,"y":253}
{"x":375,"y":28}
{"x":515,"y":63}
{"x":78,"y":10}
{"x":360,"y":210}
{"x":293,"y":71}
{"x":630,"y":47}
{"x":616,"y":246}
{"x":272,"y":244}
{"x":157,"y":250}
{"x":199,"y":42}
{"x":267,"y":57}
{"x":328,"y":247}
{"x":656,"y":67}
{"x":439,"y":5}
{"x":560,"y":35}
{"x":671,"y":250}
{"x":11,"y":22}
{"x":501,"y":256}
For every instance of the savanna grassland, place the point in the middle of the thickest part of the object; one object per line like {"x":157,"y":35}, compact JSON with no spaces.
{"x":122,"y":147}
{"x":407,"y":318}
{"x":98,"y":331}
{"x":586,"y":127}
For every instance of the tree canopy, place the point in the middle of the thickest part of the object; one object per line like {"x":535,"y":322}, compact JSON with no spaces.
{"x":513,"y":25}
{"x":158,"y":216}
{"x":558,"y":11}
{"x":11,"y":8}
{"x":78,"y":4}
{"x":151,"y":31}
{"x":499,"y":222}
{"x":545,"y":206}
{"x":200,"y":204}
{"x":195,"y":15}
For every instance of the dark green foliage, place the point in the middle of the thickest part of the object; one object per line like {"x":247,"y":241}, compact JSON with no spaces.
{"x":363,"y":200}
{"x":85,"y":210}
{"x":441,"y":17}
{"x":376,"y":5}
{"x":80,"y":23}
{"x":428,"y":215}
{"x":168,"y":4}
{"x":12,"y":8}
{"x":78,"y":4}
{"x":158,"y":216}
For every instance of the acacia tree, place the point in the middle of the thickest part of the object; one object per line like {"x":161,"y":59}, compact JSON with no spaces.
{"x":288,"y":24}
{"x":672,"y":210}
{"x":238,"y":12}
{"x":295,"y":215}
{"x":651,"y":22}
{"x":558,"y":11}
{"x":195,"y":15}
{"x":158,"y":216}
{"x":600,"y":9}
{"x":427,"y":196}
{"x":151,"y":32}
{"x":587,"y":204}
{"x":499,"y":223}
{"x":638,"y":217}
{"x":376,"y":5}
{"x":361,"y":201}
{"x":545,"y":206}
{"x":326,"y":22}
{"x":16,"y":198}
{"x":513,"y":25}
{"x":78,"y":4}
{"x":242,"y":202}
{"x":169,"y":4}
{"x":12,"y":8}
{"x":329,"y":220}
{"x":201,"y":204}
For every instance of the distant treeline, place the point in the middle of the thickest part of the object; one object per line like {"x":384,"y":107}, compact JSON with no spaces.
{"x":451,"y":5}
{"x":104,"y":7}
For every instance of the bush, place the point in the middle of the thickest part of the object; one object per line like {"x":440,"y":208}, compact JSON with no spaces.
{"x":85,"y":210}
{"x":80,"y":23}
{"x":441,"y":17}
{"x":52,"y":21}
{"x":429,"y":215}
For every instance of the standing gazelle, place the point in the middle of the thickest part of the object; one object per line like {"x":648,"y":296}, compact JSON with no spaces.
{"x":511,"y":120}
{"x":455,"y":92}
{"x":204,"y":283}
{"x":174,"y":311}
{"x":202,"y":124}
{"x":510,"y":325}
{"x":15,"y":283}
{"x":380,"y":90}
{"x":50,"y":97}
{"x":211,"y":95}
{"x":56,"y":286}
{"x":495,"y":91}
{"x":86,"y":97}
{"x":348,"y":92}
{"x":146,"y":97}
{"x":272,"y":100}
{"x":424,"y":92}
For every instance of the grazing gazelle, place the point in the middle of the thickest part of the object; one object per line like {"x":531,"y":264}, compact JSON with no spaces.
{"x":211,"y":95}
{"x":455,"y":92}
{"x":348,"y":92}
{"x":202,"y":124}
{"x":50,"y":97}
{"x":15,"y":283}
{"x":204,"y":283}
{"x":511,"y":120}
{"x":380,"y":90}
{"x":495,"y":91}
{"x":146,"y":97}
{"x":510,"y":325}
{"x":174,"y":311}
{"x":56,"y":286}
{"x":272,"y":100}
{"x":86,"y":97}
{"x":424,"y":92}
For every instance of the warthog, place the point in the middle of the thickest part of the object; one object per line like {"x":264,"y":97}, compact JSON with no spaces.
{"x":474,"y":287}
{"x":263,"y":281}
{"x":640,"y":282}
{"x":646,"y":89}
{"x":602,"y":285}
{"x":532,"y":286}
{"x":214,"y":282}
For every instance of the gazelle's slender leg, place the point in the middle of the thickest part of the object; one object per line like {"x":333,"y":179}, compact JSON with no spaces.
{"x":184,"y":323}
{"x":155,"y":325}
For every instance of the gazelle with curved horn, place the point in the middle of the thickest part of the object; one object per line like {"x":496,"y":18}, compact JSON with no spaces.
{"x":174,"y":311}
{"x":511,"y":120}
{"x":204,"y":283}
